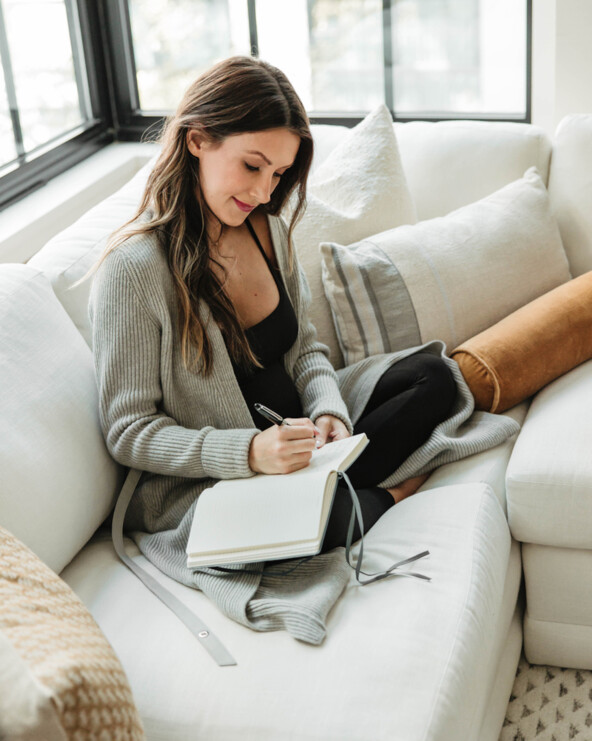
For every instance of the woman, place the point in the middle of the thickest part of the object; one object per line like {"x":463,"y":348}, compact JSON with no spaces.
{"x":199,"y":312}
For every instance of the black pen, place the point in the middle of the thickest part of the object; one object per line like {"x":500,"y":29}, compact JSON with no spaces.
{"x":270,"y":415}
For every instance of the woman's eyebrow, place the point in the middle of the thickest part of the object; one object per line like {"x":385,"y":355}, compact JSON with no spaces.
{"x":257,"y":152}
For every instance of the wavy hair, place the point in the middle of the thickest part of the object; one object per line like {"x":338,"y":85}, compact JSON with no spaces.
{"x":238,"y":95}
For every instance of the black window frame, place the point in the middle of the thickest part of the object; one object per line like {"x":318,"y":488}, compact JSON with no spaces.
{"x":32,"y":170}
{"x":132,"y":122}
{"x":108,"y":49}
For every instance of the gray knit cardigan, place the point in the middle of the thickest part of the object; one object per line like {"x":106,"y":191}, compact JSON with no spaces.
{"x":185,"y":431}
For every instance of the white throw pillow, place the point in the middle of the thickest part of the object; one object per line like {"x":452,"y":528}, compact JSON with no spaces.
{"x":359,"y":189}
{"x":58,"y":481}
{"x":69,"y":255}
{"x":447,"y":278}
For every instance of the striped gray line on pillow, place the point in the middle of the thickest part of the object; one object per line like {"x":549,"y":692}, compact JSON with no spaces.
{"x":396,"y":303}
{"x":372,"y":308}
{"x":380,"y":323}
{"x":346,"y":285}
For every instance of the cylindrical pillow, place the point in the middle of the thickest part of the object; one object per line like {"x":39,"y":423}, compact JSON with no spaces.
{"x":519,"y":355}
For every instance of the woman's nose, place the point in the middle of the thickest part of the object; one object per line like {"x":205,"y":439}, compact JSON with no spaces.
{"x":263,"y":188}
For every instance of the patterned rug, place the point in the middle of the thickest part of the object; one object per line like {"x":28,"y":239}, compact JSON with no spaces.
{"x":549,"y":704}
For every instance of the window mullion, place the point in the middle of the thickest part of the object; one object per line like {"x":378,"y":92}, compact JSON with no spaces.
{"x":78,"y":60}
{"x":10,"y":87}
{"x":387,"y":51}
{"x":254,"y":39}
{"x":126,"y":27}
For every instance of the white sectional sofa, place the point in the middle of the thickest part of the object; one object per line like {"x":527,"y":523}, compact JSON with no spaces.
{"x":403,"y":660}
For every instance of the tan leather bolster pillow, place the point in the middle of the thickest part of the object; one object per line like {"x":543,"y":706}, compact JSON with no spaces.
{"x":519,"y":355}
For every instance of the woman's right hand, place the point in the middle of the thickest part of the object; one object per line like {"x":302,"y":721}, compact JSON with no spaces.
{"x":283,"y":448}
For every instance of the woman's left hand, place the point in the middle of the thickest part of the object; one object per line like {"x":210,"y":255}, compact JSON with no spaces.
{"x":331,"y":429}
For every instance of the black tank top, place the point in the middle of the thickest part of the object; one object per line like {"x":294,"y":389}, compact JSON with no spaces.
{"x":270,"y":339}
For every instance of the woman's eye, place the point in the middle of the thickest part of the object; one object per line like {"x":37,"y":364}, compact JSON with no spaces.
{"x":251,"y":168}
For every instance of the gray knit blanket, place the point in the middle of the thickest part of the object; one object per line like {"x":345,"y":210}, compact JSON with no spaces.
{"x":300,"y":602}
{"x":185,"y":431}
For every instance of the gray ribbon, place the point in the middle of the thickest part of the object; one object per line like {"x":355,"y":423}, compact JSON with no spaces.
{"x":199,"y":629}
{"x":392,"y":570}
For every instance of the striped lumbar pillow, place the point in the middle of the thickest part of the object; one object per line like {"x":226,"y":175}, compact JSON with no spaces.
{"x":447,"y":278}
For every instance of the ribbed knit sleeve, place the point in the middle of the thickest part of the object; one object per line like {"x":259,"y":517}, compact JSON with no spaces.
{"x":313,"y":374}
{"x":127,"y":346}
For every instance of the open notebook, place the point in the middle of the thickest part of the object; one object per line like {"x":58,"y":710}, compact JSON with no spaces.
{"x":269,"y":517}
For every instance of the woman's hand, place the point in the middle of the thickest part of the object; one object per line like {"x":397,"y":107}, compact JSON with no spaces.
{"x":283,"y":448}
{"x":331,"y":429}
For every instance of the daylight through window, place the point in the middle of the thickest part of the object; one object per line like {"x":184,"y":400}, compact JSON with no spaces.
{"x":424,"y":58}
{"x":44,"y":95}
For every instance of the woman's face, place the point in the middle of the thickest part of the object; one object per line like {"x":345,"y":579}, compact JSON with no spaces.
{"x":242,"y":171}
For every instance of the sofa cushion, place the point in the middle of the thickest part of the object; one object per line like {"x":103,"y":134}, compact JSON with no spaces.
{"x":403,"y":659}
{"x":68,"y":256}
{"x":558,"y":620}
{"x":358,"y":189}
{"x":516,"y":357}
{"x":570,"y":185}
{"x":549,"y":477}
{"x":58,"y":480}
{"x":447,"y":278}
{"x":450,"y":164}
{"x":67,"y":682}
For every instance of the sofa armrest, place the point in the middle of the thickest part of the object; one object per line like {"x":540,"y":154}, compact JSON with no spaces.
{"x":549,"y":477}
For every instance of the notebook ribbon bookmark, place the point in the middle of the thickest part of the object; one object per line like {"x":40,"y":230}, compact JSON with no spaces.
{"x":393,"y":570}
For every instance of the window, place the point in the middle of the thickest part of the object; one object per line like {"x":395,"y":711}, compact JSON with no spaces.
{"x":424,"y":58}
{"x":333,"y":53}
{"x":76,"y":74}
{"x":45,"y":98}
{"x":459,"y":57}
{"x":173,"y":42}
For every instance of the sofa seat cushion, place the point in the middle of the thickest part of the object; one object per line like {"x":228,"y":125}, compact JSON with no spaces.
{"x":404,"y":659}
{"x":58,"y":481}
{"x":549,"y":477}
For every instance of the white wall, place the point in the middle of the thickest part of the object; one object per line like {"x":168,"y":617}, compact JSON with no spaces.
{"x":561,"y":60}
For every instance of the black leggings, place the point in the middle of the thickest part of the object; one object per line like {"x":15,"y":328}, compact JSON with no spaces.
{"x":410,"y":399}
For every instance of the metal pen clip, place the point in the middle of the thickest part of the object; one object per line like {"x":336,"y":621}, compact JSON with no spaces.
{"x":270,"y":415}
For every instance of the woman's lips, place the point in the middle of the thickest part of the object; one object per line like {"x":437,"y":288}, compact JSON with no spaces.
{"x":243,"y":206}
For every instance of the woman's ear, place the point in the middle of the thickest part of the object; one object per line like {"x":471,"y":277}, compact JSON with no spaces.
{"x":194,"y":139}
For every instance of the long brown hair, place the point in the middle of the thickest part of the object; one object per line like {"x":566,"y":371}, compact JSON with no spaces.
{"x":235,"y":96}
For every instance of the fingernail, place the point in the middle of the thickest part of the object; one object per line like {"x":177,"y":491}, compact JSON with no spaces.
{"x":318,"y":443}
{"x":316,"y":429}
